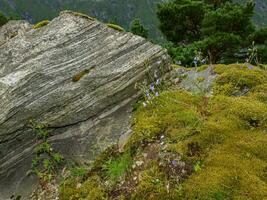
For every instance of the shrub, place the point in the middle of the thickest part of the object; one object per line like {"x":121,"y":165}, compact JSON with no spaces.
{"x":183,"y":55}
{"x":138,"y":29}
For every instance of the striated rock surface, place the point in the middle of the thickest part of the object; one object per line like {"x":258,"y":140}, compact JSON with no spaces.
{"x":39,"y":79}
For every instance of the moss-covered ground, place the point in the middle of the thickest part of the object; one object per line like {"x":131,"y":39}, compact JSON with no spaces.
{"x":189,"y":146}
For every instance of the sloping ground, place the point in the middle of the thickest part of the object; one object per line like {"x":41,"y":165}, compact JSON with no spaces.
{"x":76,"y":76}
{"x":189,"y":145}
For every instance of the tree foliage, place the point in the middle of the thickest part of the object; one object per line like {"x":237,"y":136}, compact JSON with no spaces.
{"x":219,"y":28}
{"x":138,"y":29}
{"x":3,"y":19}
{"x":180,"y":20}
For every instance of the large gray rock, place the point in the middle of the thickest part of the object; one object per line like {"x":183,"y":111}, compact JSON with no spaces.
{"x":36,"y":82}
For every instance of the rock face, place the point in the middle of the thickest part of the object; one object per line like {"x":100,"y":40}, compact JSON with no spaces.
{"x":40,"y":79}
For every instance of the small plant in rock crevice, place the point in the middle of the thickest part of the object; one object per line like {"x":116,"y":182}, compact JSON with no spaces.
{"x":152,"y":85}
{"x":46,"y":161}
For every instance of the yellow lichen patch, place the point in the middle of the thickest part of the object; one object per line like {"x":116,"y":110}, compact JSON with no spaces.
{"x":116,"y":27}
{"x":41,"y":24}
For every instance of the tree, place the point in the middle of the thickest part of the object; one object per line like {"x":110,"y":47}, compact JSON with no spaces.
{"x":215,"y":46}
{"x":215,"y":26}
{"x":229,"y":18}
{"x":216,"y":3}
{"x":138,"y":29}
{"x":180,"y":20}
{"x":3,"y":19}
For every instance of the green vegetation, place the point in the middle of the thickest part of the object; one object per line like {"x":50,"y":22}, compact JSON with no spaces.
{"x":222,"y":30}
{"x":3,"y":19}
{"x":41,"y":24}
{"x":189,"y":146}
{"x":138,"y":29}
{"x":116,"y":27}
{"x":47,"y":161}
{"x":120,"y":12}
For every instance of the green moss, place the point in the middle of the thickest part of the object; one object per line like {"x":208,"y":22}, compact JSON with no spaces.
{"x":174,"y":66}
{"x":260,"y":93}
{"x":152,"y":185}
{"x":262,"y":66}
{"x":202,"y":68}
{"x":232,"y":171}
{"x":41,"y":24}
{"x":238,"y":78}
{"x":221,"y":141}
{"x":90,"y":189}
{"x":116,"y":27}
{"x":169,"y":114}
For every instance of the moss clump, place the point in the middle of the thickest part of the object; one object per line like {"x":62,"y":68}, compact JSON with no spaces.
{"x":237,"y":79}
{"x":41,"y":24}
{"x":116,"y":27}
{"x":233,"y":170}
{"x":169,"y":114}
{"x":202,"y":68}
{"x":90,"y":189}
{"x":152,"y":185}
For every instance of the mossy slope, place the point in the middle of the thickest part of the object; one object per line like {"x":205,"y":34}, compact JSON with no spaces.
{"x":187,"y":146}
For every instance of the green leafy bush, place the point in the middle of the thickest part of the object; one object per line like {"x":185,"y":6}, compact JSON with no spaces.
{"x":138,"y":29}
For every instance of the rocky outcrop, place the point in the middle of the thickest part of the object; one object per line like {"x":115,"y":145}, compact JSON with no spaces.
{"x":75,"y":75}
{"x":12,"y":29}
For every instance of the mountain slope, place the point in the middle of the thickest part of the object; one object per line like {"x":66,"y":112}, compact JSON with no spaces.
{"x":260,"y":16}
{"x":118,"y":11}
